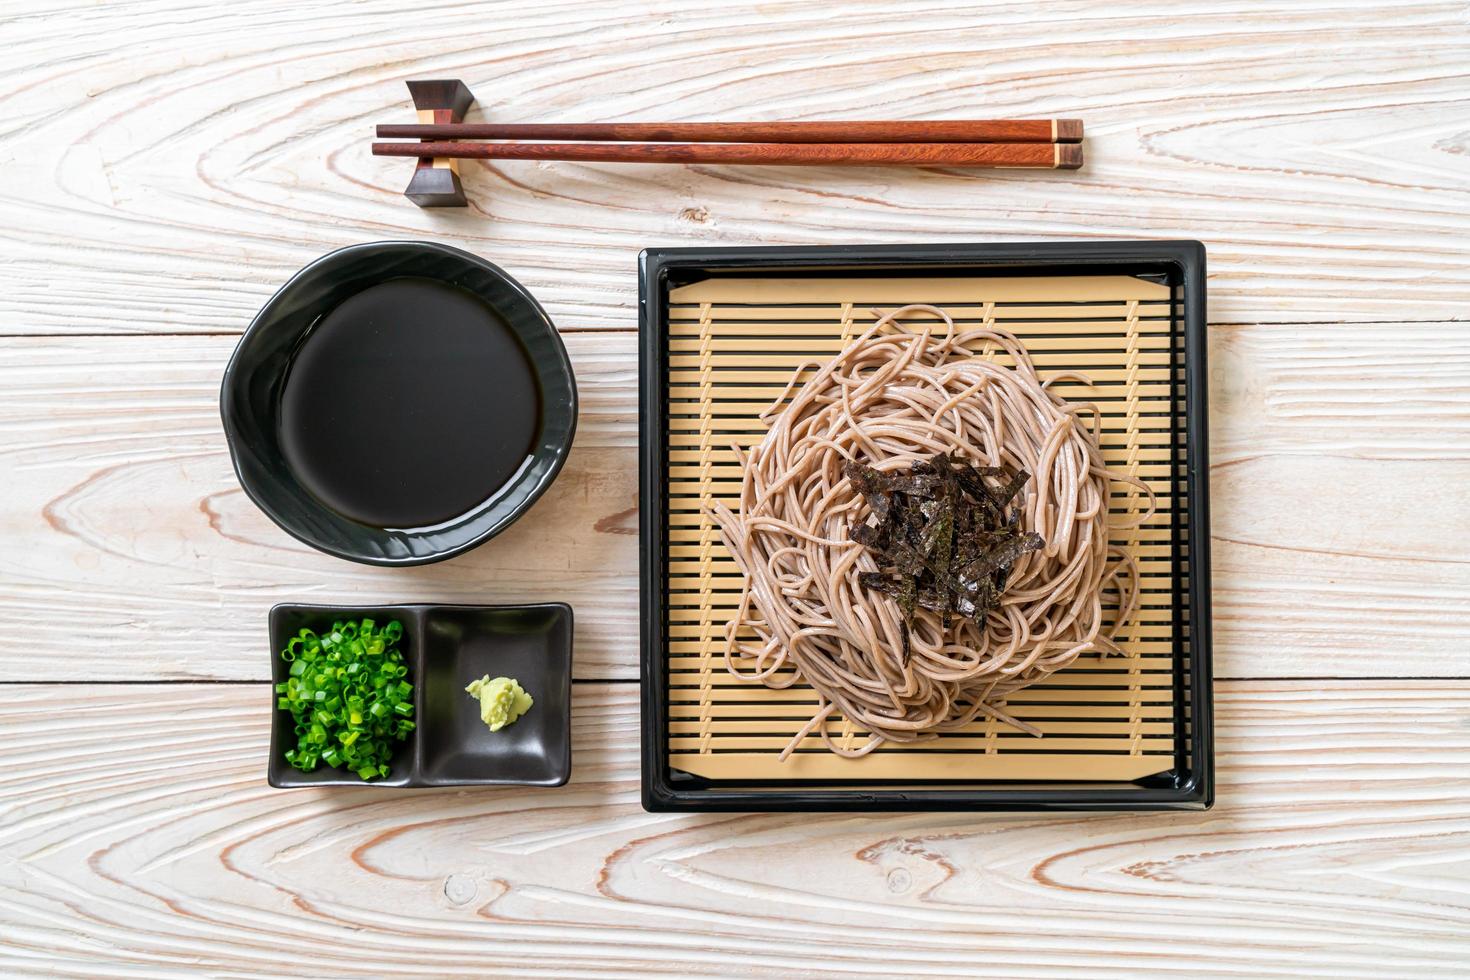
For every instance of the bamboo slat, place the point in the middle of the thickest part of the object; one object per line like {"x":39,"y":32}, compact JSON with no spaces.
{"x":734,"y":343}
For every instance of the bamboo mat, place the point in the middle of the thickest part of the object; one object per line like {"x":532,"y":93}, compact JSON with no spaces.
{"x":734,"y":342}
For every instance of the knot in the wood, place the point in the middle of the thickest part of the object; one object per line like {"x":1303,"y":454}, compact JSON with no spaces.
{"x":459,"y":888}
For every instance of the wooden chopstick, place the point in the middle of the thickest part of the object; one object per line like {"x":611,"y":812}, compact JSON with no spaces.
{"x":910,"y":131}
{"x":1063,"y":156}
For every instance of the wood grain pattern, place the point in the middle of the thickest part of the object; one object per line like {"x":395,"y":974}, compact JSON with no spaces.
{"x":1320,"y":150}
{"x":1339,"y":454}
{"x":137,"y":838}
{"x":132,"y":553}
{"x":167,"y":165}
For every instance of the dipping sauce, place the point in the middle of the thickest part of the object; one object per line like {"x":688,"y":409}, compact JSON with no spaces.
{"x":409,"y":404}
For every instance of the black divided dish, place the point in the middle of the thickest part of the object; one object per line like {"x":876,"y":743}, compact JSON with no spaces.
{"x":397,"y":403}
{"x":445,"y":647}
{"x":1178,"y":264}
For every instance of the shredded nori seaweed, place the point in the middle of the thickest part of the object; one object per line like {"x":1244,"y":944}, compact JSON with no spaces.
{"x":945,"y":537}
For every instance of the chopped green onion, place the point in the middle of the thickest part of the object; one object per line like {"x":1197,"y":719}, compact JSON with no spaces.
{"x":347,"y":696}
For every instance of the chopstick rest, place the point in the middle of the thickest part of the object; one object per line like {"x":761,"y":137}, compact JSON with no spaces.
{"x":435,"y":182}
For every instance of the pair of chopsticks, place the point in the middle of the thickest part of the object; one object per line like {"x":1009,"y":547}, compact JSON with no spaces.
{"x":1031,"y":143}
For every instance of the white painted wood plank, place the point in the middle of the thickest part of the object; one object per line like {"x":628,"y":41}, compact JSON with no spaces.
{"x":137,"y":836}
{"x":167,"y":166}
{"x":130,"y":550}
{"x":1341,"y":526}
{"x":1340,"y":457}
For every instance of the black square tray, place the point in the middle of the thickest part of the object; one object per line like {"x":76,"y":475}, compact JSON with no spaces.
{"x":1179,"y":265}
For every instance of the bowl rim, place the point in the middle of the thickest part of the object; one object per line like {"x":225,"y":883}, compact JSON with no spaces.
{"x":233,"y":437}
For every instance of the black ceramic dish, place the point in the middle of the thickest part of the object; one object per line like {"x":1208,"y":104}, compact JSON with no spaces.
{"x":254,"y":410}
{"x":444,"y":648}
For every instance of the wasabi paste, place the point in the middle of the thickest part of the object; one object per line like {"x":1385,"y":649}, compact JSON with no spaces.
{"x":502,"y":700}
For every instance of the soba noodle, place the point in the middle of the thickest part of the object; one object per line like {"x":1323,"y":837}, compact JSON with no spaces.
{"x":891,"y":397}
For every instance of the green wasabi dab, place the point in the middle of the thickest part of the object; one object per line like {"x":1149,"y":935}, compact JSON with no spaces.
{"x":502,"y":700}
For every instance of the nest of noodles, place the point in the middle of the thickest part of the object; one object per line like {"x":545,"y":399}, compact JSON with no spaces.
{"x":892,"y":397}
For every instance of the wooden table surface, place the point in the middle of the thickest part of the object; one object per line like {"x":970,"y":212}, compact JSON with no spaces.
{"x":166,"y":165}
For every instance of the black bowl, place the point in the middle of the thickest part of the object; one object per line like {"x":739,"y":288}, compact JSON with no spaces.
{"x":250,"y":402}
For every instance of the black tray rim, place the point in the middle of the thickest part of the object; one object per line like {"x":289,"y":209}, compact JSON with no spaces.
{"x":1193,"y":791}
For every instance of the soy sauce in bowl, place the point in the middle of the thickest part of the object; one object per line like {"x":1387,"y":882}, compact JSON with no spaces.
{"x":409,"y":404}
{"x":398,"y":403}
